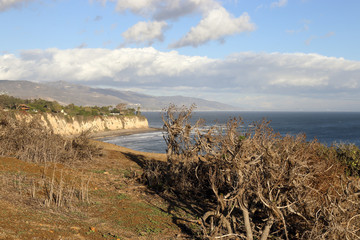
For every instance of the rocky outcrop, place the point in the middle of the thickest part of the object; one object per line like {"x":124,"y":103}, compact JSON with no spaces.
{"x":66,"y":125}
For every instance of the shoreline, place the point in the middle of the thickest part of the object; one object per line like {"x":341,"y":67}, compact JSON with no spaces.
{"x":122,"y":132}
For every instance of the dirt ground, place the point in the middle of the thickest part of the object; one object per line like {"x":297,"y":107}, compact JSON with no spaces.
{"x":98,"y":199}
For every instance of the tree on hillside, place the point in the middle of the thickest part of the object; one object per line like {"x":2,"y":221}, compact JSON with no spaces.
{"x":9,"y":101}
{"x":138,"y":112}
{"x":121,"y":106}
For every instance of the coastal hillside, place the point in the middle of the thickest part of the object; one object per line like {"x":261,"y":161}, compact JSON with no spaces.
{"x":68,"y":125}
{"x":72,"y":119}
{"x":66,"y":93}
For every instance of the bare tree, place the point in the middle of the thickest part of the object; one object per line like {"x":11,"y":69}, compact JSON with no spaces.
{"x":121,"y":106}
{"x":177,"y":132}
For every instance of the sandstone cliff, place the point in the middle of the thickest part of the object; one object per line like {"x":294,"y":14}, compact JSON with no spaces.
{"x":66,"y":125}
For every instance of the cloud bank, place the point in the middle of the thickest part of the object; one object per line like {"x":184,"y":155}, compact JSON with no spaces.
{"x":263,"y":81}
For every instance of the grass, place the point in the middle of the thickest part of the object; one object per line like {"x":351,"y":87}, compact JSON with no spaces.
{"x":98,"y":171}
{"x":121,"y":196}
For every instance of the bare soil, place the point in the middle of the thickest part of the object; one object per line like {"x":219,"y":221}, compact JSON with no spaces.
{"x":118,"y":205}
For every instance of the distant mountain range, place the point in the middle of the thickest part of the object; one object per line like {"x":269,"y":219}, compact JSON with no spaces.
{"x":66,"y":93}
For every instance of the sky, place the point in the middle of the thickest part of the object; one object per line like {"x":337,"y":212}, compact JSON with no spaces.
{"x":274,"y":55}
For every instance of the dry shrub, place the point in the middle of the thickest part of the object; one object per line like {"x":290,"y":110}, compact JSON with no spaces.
{"x":60,"y":191}
{"x":54,"y":188}
{"x":257,"y":185}
{"x":31,"y":141}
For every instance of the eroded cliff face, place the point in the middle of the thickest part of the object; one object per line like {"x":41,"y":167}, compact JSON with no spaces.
{"x":66,"y":125}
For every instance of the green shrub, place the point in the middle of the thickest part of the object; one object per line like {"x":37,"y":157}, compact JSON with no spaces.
{"x":41,"y":105}
{"x":349,"y":155}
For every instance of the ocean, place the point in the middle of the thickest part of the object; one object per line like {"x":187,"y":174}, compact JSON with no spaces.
{"x":327,"y":127}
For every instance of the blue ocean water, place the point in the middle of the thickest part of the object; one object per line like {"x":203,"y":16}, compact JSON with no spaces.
{"x":327,"y":127}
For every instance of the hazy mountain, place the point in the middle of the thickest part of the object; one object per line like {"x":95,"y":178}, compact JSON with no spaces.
{"x":66,"y":93}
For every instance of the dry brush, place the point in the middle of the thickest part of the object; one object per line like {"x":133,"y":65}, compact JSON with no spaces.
{"x":257,"y":184}
{"x":31,"y":141}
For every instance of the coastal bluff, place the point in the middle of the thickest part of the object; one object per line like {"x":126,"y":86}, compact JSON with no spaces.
{"x":73,"y":125}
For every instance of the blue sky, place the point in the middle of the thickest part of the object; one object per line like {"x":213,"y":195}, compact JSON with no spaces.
{"x":254,"y":54}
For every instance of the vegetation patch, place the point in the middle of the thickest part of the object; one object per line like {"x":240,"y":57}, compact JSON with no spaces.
{"x":349,"y":155}
{"x":143,"y":218}
{"x":121,"y":196}
{"x":72,"y":110}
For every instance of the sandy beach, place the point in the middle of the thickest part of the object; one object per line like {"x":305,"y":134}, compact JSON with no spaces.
{"x":122,"y":132}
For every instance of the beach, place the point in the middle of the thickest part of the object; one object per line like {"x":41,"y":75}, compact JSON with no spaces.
{"x":122,"y":132}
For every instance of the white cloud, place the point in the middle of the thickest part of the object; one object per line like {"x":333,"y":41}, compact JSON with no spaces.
{"x":283,"y":81}
{"x":83,"y":45}
{"x":312,"y":38}
{"x":300,"y":81}
{"x":280,"y":3}
{"x":165,"y":9}
{"x":145,"y":32}
{"x":304,"y":28}
{"x":6,"y":4}
{"x":136,"y":6}
{"x":216,"y":25}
